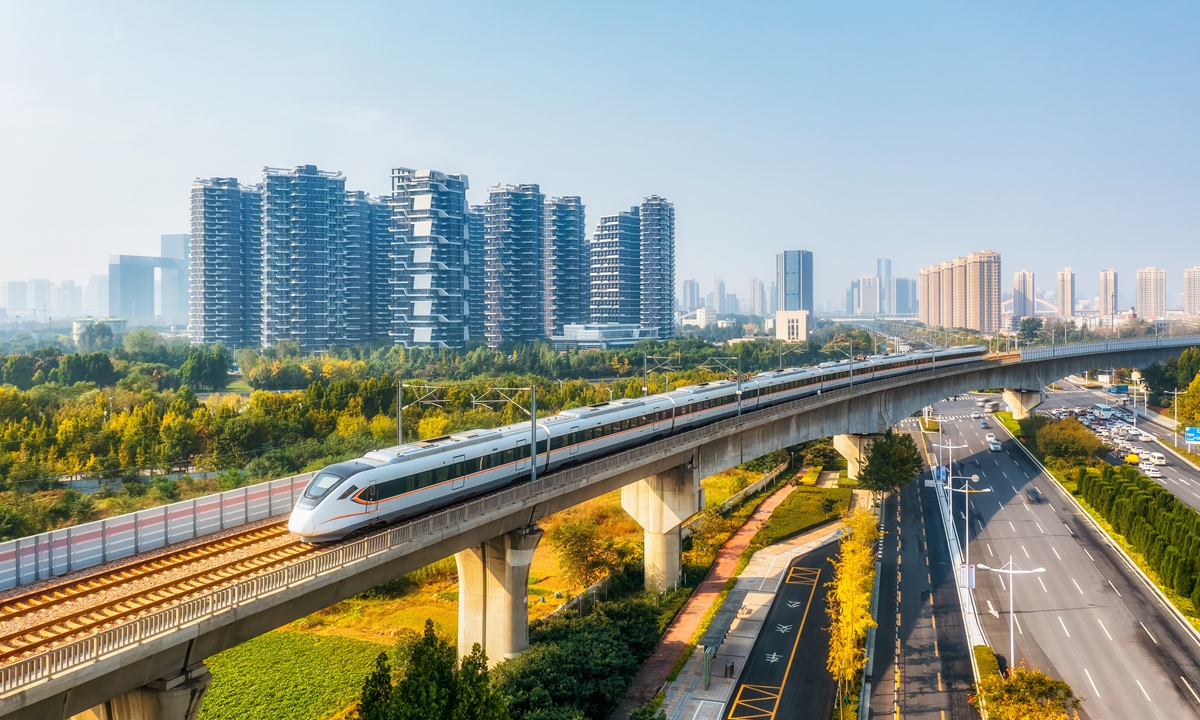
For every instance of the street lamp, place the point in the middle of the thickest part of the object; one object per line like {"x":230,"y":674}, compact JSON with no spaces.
{"x":1010,"y":570}
{"x":965,"y":489}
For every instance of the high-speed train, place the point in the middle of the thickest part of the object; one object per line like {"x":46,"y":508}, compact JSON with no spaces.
{"x":414,"y":478}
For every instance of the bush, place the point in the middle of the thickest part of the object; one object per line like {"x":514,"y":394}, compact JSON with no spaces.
{"x":985,"y":658}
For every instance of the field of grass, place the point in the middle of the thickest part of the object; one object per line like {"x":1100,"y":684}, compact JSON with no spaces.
{"x":1006,"y":419}
{"x":722,"y":486}
{"x":805,"y":508}
{"x":287,"y":675}
{"x":930,"y":425}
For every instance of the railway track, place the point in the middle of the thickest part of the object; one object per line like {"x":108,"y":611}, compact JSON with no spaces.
{"x":36,"y":619}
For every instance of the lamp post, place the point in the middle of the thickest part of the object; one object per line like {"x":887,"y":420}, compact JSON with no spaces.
{"x":965,"y":489}
{"x":1010,"y":570}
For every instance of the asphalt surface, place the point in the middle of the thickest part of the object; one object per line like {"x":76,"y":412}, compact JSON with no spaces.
{"x":1089,"y":618}
{"x":927,"y":648}
{"x":786,"y":677}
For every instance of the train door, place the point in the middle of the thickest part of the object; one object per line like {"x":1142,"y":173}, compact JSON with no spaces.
{"x":574,"y":445}
{"x":523,"y":454}
{"x":457,"y":467}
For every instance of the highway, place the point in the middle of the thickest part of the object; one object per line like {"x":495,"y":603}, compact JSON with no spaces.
{"x":1089,"y":619}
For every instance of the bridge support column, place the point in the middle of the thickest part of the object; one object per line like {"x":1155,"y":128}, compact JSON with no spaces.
{"x":493,"y":594}
{"x":854,"y":448}
{"x":175,"y":698}
{"x":1022,"y":402}
{"x":660,"y":504}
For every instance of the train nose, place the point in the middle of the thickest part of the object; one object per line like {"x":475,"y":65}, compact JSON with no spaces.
{"x":301,"y":523}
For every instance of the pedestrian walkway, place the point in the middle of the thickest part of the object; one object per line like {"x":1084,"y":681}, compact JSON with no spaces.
{"x":653,"y":673}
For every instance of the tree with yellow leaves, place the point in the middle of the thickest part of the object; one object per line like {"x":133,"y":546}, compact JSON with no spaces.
{"x":1024,"y":694}
{"x":849,"y":599}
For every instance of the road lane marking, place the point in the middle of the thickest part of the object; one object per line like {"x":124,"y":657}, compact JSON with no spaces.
{"x":1014,"y":487}
{"x":1093,"y":682}
{"x":989,"y":547}
{"x":1019,"y":628}
{"x":1077,"y":586}
{"x":1139,"y":682}
{"x":1089,"y":554}
{"x":1056,"y":552}
{"x":1014,"y":527}
{"x":1025,"y":551}
{"x":992,"y":610}
{"x":1103,"y":628}
{"x":1147,"y":631}
{"x":1043,"y":585}
{"x":1189,"y":687}
{"x":1000,"y":504}
{"x":1064,"y":625}
{"x":1002,"y":585}
{"x":1040,"y":528}
{"x":939,"y":682}
{"x":1114,"y":587}
{"x":1068,"y":527}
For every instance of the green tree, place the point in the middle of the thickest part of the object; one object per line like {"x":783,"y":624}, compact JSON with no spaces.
{"x":18,"y":370}
{"x":94,"y":337}
{"x":475,"y":698}
{"x":13,"y":524}
{"x":426,"y":689}
{"x":1188,"y":367}
{"x":376,"y":699}
{"x":1030,"y":326}
{"x":892,"y":462}
{"x":143,"y":344}
{"x":583,"y":555}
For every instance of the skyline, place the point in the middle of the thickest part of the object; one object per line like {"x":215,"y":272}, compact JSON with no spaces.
{"x":1054,"y":129}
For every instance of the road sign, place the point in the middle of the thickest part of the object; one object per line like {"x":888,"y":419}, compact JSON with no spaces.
{"x":1191,"y":435}
{"x":941,"y":472}
{"x":966,"y":576}
{"x":929,"y":482}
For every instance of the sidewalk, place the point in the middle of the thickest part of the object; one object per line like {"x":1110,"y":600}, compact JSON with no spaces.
{"x":653,"y":673}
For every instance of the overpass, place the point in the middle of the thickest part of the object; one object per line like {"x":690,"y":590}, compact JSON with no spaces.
{"x":152,"y":666}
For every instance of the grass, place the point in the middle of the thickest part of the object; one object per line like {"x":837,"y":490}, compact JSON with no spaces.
{"x":810,"y":478}
{"x":722,"y":486}
{"x":1006,"y":419}
{"x":930,"y":425}
{"x":239,"y":386}
{"x":803,"y":510}
{"x":287,"y":675}
{"x":986,"y":660}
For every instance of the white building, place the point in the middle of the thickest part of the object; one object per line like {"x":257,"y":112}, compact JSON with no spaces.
{"x":1191,"y":291}
{"x":1151,"y":293}
{"x":791,"y":325}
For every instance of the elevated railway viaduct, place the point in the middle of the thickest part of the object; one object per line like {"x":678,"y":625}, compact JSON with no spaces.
{"x":153,"y":666}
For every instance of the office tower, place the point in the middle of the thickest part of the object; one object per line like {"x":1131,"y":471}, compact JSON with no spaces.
{"x":883,"y":268}
{"x":691,"y":295}
{"x":567,"y":265}
{"x":868,"y":295}
{"x":773,"y":298}
{"x":225,"y":265}
{"x":1151,"y":293}
{"x":514,"y":235}
{"x":68,"y":300}
{"x":853,"y":305}
{"x":1066,"y":292}
{"x":173,"y":278}
{"x":429,"y":225}
{"x":905,"y":296}
{"x":658,"y":266}
{"x":95,"y":296}
{"x":42,"y":291}
{"x":361,"y":269}
{"x":719,"y":296}
{"x":1108,"y":292}
{"x":16,"y":295}
{"x":887,"y":288}
{"x":983,"y":292}
{"x":1191,"y":291}
{"x":929,"y":298}
{"x":757,"y":297}
{"x":131,"y":288}
{"x":1023,"y":300}
{"x":615,"y":268}
{"x":733,"y":306}
{"x":304,"y":216}
{"x":794,"y":280}
{"x":473,"y":288}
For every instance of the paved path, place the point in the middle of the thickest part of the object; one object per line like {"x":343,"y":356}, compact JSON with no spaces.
{"x":654,"y":671}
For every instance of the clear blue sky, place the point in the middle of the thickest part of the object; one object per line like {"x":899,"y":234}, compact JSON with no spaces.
{"x":1055,"y":133}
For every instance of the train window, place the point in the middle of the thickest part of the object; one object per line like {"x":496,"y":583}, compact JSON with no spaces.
{"x":556,"y":443}
{"x":441,"y":475}
{"x":370,"y":494}
{"x":347,"y":492}
{"x":541,"y":446}
{"x":457,"y":470}
{"x":321,"y":484}
{"x":424,"y":479}
{"x":508,"y":456}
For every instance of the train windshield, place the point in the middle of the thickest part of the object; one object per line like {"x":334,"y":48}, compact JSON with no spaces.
{"x":320,"y":485}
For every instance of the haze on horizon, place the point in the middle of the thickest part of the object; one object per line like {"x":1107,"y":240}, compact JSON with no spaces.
{"x":1055,"y":135}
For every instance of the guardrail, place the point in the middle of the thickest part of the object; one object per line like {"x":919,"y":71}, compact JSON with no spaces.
{"x":1093,"y":347}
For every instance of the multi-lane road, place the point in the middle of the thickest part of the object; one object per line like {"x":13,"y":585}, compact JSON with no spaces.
{"x":1089,"y":618}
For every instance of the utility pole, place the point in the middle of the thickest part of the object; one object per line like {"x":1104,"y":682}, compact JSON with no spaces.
{"x":1175,"y":404}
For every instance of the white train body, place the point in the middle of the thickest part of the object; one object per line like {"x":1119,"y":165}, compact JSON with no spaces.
{"x":404,"y":481}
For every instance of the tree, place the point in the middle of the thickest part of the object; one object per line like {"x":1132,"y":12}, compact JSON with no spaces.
{"x":1024,"y":694}
{"x":583,"y":555}
{"x":475,"y":698}
{"x":426,"y":689}
{"x":18,"y":370}
{"x":94,"y":337}
{"x":849,"y":600}
{"x":1030,"y":326}
{"x":376,"y":698}
{"x":892,"y":462}
{"x":13,"y":524}
{"x":207,"y":368}
{"x":143,"y":344}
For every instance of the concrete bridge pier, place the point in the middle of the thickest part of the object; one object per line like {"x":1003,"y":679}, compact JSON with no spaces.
{"x":854,"y":448}
{"x":493,"y":594}
{"x":174,"y":698}
{"x":660,"y":504}
{"x":1022,"y":402}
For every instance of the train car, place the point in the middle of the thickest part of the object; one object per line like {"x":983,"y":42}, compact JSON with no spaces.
{"x":408,"y":480}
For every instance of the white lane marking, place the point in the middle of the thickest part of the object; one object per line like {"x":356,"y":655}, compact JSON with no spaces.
{"x":1018,"y":620}
{"x":1025,"y":551}
{"x":979,"y":525}
{"x":1014,"y":527}
{"x":1189,"y":687}
{"x":1089,"y":555}
{"x":1139,"y":682}
{"x":1000,"y":504}
{"x":1014,"y":487}
{"x":1093,"y":682}
{"x":992,"y":609}
{"x":1056,"y":552}
{"x":1147,"y":631}
{"x":1004,"y":473}
{"x":1103,"y":628}
{"x":1114,"y":587}
{"x":1043,"y":585}
{"x":1064,"y":625}
{"x":1068,"y":527}
{"x":989,"y":547}
{"x":1077,"y":586}
{"x":1001,"y":579}
{"x":1041,"y":528}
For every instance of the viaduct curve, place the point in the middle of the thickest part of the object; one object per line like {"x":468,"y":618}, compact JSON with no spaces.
{"x":152,"y":667}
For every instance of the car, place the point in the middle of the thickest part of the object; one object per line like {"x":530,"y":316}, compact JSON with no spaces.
{"x":975,"y":415}
{"x":994,"y":446}
{"x":1132,"y":459}
{"x":1158,"y":458}
{"x":990,"y":437}
{"x":984,"y":425}
{"x":1033,"y":495}
{"x":1145,"y":465}
{"x":1146,"y":437}
{"x":1152,"y":472}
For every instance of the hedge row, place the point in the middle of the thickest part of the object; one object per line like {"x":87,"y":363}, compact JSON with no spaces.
{"x":1164,"y":530}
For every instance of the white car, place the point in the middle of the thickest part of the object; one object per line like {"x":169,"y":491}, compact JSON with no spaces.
{"x":1146,"y":437}
{"x":990,"y":437}
{"x":975,"y":415}
{"x":1145,"y":464}
{"x":994,"y":446}
{"x":1153,"y":472}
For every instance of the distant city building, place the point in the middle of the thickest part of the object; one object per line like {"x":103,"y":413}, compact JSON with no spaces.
{"x":868,"y":295}
{"x":16,"y":295}
{"x":773,"y":298}
{"x":68,"y":299}
{"x":733,"y":306}
{"x":42,"y":294}
{"x":95,"y":296}
{"x":1107,"y":296}
{"x":226,"y":263}
{"x":174,"y":285}
{"x":852,"y":298}
{"x":964,"y":292}
{"x":691,"y":295}
{"x":514,"y":235}
{"x":1066,"y":293}
{"x":718,"y":303}
{"x":603,"y":336}
{"x":615,"y":269}
{"x":1151,"y":293}
{"x":792,"y":325}
{"x":794,"y":281}
{"x":983,"y":292}
{"x":701,"y":317}
{"x":905,"y":296}
{"x":118,"y":326}
{"x":1191,"y":291}
{"x":758,"y":298}
{"x":476,"y":263}
{"x":658,"y":266}
{"x":567,"y":265}
{"x":1024,"y":303}
{"x":887,"y":288}
{"x":364,"y":269}
{"x":131,"y":288}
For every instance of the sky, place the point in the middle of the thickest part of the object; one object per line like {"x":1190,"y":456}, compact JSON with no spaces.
{"x":1057,"y":134}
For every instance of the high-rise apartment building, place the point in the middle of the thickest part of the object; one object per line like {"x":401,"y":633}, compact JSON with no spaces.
{"x":1108,"y":292}
{"x":658,"y":266}
{"x":1023,"y":301}
{"x":757,"y":298}
{"x":515,"y":236}
{"x":174,"y":286}
{"x":691,"y":295}
{"x":363,"y":270}
{"x":225,"y":263}
{"x":1191,"y":291}
{"x":16,"y":296}
{"x":868,"y":295}
{"x":473,"y":290}
{"x":1066,"y":292}
{"x":962,"y":293}
{"x":567,"y":265}
{"x":719,"y":296}
{"x":1152,"y":293}
{"x":68,"y":299}
{"x":794,"y":281}
{"x":429,"y":236}
{"x":95,"y":296}
{"x":615,"y":274}
{"x":773,"y":298}
{"x":853,"y":304}
{"x":887,"y":286}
